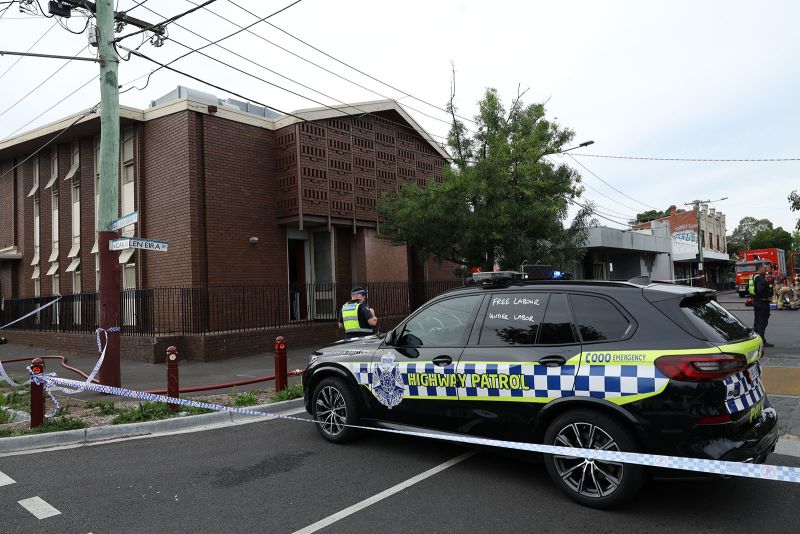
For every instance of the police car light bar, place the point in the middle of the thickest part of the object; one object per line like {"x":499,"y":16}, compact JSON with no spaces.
{"x":496,"y":276}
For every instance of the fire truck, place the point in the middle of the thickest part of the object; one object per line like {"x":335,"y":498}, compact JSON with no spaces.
{"x":749,"y":260}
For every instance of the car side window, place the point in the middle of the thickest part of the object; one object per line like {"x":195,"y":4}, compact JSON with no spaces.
{"x":442,"y":324}
{"x":557,"y":324}
{"x":513,"y":318}
{"x":598,"y":319}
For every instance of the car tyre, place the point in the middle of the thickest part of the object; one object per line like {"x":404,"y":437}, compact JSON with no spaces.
{"x":334,"y":407}
{"x":597,"y":484}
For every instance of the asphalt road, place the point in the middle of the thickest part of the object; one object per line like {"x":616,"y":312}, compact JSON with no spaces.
{"x":280,"y":476}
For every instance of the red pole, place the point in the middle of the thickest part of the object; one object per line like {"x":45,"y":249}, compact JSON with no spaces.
{"x":281,"y":379}
{"x":37,"y":394}
{"x":109,"y":308}
{"x":173,"y":386}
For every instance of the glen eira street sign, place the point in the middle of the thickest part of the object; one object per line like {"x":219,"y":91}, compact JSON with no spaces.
{"x":122,"y":222}
{"x":137,"y":242}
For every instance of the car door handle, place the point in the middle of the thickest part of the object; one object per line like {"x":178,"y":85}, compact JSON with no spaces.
{"x":443,"y":360}
{"x":552,"y":361}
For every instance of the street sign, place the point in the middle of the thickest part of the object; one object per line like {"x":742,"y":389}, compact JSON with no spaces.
{"x":122,"y":222}
{"x":137,"y":242}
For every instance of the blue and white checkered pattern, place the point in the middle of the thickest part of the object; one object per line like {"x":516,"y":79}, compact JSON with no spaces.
{"x":541,"y":382}
{"x":742,"y":391}
{"x":614,"y":381}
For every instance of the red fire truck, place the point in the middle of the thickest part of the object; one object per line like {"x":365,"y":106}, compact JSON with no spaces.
{"x":749,"y":260}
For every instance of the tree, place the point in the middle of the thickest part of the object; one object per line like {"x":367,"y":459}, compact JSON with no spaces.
{"x":743,"y":234}
{"x":769,"y":238}
{"x":794,"y":205}
{"x":501,"y":201}
{"x":796,"y":241}
{"x":651,"y":215}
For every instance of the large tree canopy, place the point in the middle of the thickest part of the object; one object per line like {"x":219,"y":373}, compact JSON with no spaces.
{"x":651,"y":215}
{"x":501,"y":201}
{"x":769,"y":238}
{"x":742,"y":236}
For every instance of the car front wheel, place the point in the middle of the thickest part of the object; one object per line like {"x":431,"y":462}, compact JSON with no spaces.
{"x":595,"y":483}
{"x":334,"y":408}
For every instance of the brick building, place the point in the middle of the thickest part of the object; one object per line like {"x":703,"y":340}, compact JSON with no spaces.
{"x":244,"y":197}
{"x":685,"y":248}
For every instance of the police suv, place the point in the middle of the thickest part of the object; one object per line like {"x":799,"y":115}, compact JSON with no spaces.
{"x":619,"y":366}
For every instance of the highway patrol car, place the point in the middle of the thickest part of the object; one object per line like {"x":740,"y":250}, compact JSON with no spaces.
{"x":638,"y":367}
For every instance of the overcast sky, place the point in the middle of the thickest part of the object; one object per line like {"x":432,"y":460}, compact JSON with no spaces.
{"x":712,"y":79}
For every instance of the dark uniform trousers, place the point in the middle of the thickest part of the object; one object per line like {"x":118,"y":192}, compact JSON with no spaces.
{"x":761,"y":317}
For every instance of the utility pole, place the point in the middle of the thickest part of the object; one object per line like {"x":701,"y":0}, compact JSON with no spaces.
{"x":700,"y":238}
{"x":107,"y":210}
{"x":110,"y":273}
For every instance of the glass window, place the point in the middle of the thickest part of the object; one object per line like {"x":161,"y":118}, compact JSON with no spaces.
{"x":714,"y":321}
{"x":443,"y":324}
{"x":557,"y":324}
{"x":597,"y":319}
{"x":513,"y":318}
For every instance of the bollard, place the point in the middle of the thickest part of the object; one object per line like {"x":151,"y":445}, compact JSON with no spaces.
{"x":281,"y":379}
{"x":173,"y":384}
{"x":37,"y":394}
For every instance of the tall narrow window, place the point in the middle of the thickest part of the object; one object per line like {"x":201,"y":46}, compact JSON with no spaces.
{"x":74,"y":179}
{"x":127,"y":187}
{"x":35,"y":187}
{"x":54,"y":221}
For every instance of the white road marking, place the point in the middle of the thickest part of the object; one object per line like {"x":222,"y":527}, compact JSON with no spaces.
{"x":38,"y":507}
{"x":5,"y":480}
{"x":322,"y":523}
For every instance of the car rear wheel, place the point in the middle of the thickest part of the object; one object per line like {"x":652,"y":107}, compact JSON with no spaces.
{"x":334,"y":408}
{"x":595,"y":483}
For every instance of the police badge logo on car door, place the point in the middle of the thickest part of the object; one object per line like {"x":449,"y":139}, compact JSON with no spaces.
{"x":387,"y":382}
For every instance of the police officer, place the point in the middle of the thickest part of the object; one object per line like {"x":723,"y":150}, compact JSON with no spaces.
{"x":761,"y":289}
{"x":355,"y":317}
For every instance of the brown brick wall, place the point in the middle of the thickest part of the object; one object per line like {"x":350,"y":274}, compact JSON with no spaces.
{"x":7,"y":228}
{"x":240,"y":195}
{"x":170,"y":196}
{"x":383,"y":260}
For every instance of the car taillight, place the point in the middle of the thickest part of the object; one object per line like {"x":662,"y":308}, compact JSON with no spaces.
{"x":699,"y":367}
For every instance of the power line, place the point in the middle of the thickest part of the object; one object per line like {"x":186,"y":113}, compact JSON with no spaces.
{"x":28,"y":50}
{"x":161,"y":25}
{"x":52,"y":139}
{"x":345,"y":104}
{"x":634,"y":210}
{"x":691,"y":160}
{"x":609,"y":185}
{"x":351,"y":66}
{"x":317,"y":65}
{"x":287,"y":113}
{"x":594,"y":212}
{"x":90,"y":80}
{"x":67,"y":62}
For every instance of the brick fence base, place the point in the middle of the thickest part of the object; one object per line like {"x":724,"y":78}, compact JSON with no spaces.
{"x":208,"y":347}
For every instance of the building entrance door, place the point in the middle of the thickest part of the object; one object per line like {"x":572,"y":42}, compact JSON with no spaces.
{"x":312,"y":292}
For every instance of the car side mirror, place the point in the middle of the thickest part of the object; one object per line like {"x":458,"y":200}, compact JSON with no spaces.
{"x":390,"y":337}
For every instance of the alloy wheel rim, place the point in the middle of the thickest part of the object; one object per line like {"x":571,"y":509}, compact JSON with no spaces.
{"x":589,"y":478}
{"x":331,"y":410}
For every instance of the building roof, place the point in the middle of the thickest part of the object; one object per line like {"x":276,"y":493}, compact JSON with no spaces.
{"x":182,"y":99}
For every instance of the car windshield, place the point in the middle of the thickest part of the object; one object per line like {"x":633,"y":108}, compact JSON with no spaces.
{"x":746,"y":268}
{"x":714,"y":321}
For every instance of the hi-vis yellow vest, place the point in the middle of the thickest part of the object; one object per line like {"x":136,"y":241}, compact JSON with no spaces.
{"x":751,"y":285}
{"x":350,"y":317}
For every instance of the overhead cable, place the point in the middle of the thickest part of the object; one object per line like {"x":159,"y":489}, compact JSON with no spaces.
{"x":608,"y":184}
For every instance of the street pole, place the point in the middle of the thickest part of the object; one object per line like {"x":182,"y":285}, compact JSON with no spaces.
{"x":696,"y":205}
{"x":108,"y":192}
